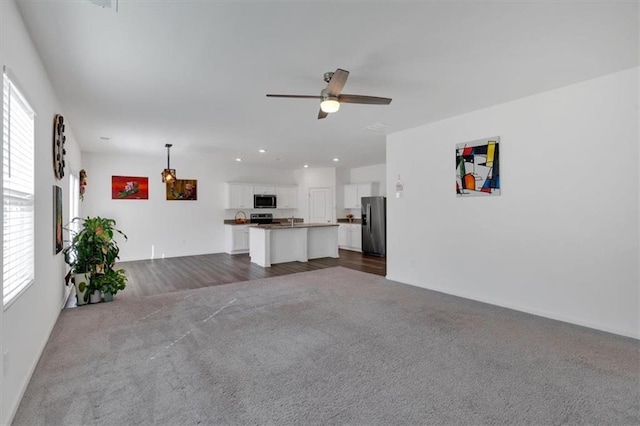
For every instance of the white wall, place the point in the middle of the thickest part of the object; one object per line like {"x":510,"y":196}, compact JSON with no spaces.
{"x":562,"y":239}
{"x":157,"y":227}
{"x":27,"y":323}
{"x":376,"y":173}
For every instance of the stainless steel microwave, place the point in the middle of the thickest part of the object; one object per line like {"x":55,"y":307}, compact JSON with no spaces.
{"x":264,"y":201}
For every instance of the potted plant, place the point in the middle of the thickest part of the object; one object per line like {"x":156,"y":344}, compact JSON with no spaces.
{"x":111,"y":282}
{"x":93,"y":251}
{"x":77,"y":255}
{"x":93,"y":294}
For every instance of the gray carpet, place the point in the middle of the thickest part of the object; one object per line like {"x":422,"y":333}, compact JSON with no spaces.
{"x":332,"y":346}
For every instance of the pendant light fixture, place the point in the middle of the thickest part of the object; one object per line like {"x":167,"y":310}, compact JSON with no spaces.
{"x":168,"y":174}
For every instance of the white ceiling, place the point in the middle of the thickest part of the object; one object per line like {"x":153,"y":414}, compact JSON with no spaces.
{"x":195,"y":73}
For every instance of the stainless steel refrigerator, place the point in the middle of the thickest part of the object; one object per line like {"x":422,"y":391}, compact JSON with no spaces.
{"x":374,"y":226}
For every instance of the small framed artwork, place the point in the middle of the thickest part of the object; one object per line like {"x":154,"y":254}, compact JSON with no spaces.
{"x":478,"y":168}
{"x":182,"y":189}
{"x":57,"y":218}
{"x":129,"y":188}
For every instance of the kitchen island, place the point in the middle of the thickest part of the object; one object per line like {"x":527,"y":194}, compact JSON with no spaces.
{"x":279,"y":243}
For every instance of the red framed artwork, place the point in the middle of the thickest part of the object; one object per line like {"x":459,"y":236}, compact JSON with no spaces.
{"x":129,"y":188}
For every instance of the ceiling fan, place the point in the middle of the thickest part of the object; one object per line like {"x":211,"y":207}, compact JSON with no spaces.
{"x":331,"y":97}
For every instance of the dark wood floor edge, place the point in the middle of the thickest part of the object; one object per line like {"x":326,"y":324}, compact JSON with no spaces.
{"x":154,"y":276}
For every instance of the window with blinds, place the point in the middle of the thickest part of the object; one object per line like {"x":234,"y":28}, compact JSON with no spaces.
{"x":74,"y":198}
{"x":18,"y":192}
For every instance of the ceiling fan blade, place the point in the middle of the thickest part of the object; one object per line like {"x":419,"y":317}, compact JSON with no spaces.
{"x":322,"y":114}
{"x":360,"y":99}
{"x":295,"y":96}
{"x":337,"y":82}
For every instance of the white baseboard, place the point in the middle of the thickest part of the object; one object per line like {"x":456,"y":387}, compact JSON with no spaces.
{"x":527,"y":310}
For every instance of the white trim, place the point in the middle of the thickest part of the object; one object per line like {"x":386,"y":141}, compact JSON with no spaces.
{"x":515,"y":307}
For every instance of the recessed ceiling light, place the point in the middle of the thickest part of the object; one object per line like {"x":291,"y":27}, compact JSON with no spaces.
{"x":262,"y":151}
{"x":238,"y":159}
{"x":306,"y":166}
{"x":336,"y":159}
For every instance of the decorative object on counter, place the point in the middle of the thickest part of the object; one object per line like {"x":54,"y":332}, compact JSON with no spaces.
{"x":83,"y":183}
{"x":92,"y":255}
{"x":168,"y":174}
{"x":59,"y":150}
{"x":478,"y":167}
{"x":129,"y":188}
{"x":182,"y":189}
{"x":57,"y":218}
{"x":350,"y":217}
{"x":240,"y":220}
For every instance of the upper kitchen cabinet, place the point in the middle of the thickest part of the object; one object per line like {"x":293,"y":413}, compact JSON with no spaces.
{"x":287,"y":197}
{"x":239,"y":196}
{"x":264,"y":190}
{"x":355,"y":191}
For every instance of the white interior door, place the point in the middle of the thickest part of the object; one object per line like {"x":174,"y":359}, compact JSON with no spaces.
{"x":320,"y":205}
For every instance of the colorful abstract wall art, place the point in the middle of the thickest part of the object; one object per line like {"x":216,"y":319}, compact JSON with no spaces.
{"x":129,"y":188}
{"x":57,"y":218}
{"x":478,"y":168}
{"x":182,"y":189}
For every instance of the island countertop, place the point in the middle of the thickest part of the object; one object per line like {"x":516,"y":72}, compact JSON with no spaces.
{"x":295,"y":226}
{"x":280,"y":243}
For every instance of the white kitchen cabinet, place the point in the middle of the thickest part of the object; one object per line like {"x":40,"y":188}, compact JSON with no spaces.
{"x":236,"y":239}
{"x":351,"y":196}
{"x":287,"y":197}
{"x":239,"y":196}
{"x":353,"y":192}
{"x":350,"y":236}
{"x":356,"y":237}
{"x":343,"y":238}
{"x":264,"y":190}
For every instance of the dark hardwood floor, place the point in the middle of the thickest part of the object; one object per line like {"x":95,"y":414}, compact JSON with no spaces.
{"x":147,"y":277}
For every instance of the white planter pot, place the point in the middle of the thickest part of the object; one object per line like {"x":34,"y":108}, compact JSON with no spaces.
{"x":81,"y":282}
{"x":95,"y":297}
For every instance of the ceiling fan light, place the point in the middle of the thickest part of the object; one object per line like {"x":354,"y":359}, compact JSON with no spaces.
{"x":330,"y":104}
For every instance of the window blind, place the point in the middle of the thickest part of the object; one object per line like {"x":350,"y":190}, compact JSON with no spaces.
{"x":74,"y":198}
{"x":18,"y":192}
